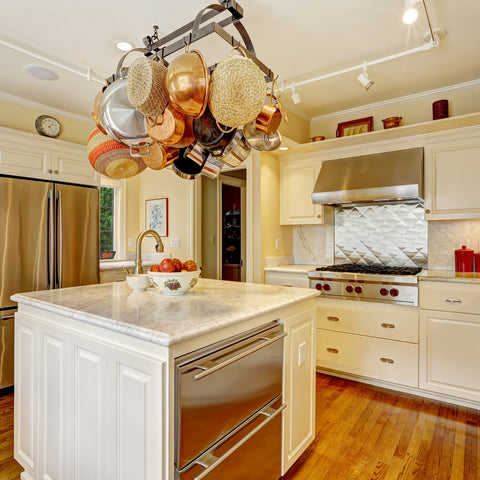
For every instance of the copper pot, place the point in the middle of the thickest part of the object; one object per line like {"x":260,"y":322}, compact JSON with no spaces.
{"x":187,"y":83}
{"x":188,"y":136}
{"x":391,"y":122}
{"x":269,"y":119}
{"x":168,"y":128}
{"x":156,"y":158}
{"x":95,"y":115}
{"x":318,"y":138}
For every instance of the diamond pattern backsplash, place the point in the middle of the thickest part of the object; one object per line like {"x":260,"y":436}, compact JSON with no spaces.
{"x":394,"y":235}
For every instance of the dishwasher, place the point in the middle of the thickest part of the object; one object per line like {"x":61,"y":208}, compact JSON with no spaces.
{"x":228,"y":404}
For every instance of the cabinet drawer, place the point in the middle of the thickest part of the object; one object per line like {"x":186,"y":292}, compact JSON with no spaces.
{"x":393,"y":322}
{"x":287,"y":279}
{"x":107,"y":276}
{"x":450,"y":296}
{"x":387,"y":360}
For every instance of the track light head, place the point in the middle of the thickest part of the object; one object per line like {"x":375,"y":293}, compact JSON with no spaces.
{"x":364,"y":79}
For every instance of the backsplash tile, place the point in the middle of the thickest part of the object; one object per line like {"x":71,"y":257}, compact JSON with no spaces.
{"x":444,"y":237}
{"x":394,"y":235}
{"x":278,"y":261}
{"x":313,"y":244}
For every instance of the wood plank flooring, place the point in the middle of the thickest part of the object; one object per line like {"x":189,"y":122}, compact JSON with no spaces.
{"x":362,"y":433}
{"x":370,"y":433}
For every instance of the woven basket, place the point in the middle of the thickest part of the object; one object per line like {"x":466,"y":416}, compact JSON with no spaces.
{"x":146,"y":86}
{"x":111,"y":158}
{"x":237,"y":91}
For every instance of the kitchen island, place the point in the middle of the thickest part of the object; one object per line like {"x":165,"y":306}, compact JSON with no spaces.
{"x":95,"y":372}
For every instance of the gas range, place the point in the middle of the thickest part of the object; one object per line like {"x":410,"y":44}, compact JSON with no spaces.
{"x":377,"y":283}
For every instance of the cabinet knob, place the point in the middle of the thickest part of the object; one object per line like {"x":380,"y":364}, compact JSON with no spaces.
{"x":319,"y":216}
{"x":386,"y":360}
{"x":49,"y":170}
{"x":55,"y":172}
{"x":427,"y":211}
{"x":332,"y":350}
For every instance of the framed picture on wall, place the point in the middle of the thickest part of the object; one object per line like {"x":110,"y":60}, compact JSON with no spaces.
{"x":354,"y":127}
{"x":156,"y":215}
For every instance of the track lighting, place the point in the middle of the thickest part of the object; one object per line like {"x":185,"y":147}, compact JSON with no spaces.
{"x":411,"y":13}
{"x":363,"y":78}
{"x":295,"y":95}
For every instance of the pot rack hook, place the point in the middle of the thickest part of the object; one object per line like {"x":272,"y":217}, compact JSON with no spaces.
{"x":187,"y":41}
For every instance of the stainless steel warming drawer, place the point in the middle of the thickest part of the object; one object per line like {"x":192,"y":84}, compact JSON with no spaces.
{"x":228,"y":405}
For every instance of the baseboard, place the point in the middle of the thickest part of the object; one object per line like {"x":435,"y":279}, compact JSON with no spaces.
{"x":403,"y":388}
{"x":25,"y":476}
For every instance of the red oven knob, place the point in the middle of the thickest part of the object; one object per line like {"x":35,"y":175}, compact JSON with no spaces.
{"x":394,"y":292}
{"x":326,"y":287}
{"x":349,"y":289}
{"x":358,"y":289}
{"x":383,"y":292}
{"x":318,"y":286}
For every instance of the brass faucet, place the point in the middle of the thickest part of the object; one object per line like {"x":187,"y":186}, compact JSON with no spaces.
{"x":138,"y":251}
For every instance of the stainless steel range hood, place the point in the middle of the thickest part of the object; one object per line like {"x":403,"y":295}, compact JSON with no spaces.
{"x":388,"y":177}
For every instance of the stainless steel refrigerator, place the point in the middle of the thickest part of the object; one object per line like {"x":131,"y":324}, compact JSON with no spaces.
{"x":49,"y":238}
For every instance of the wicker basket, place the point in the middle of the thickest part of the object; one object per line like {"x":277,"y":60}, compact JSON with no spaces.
{"x":237,"y":91}
{"x":146,"y":86}
{"x":111,"y":158}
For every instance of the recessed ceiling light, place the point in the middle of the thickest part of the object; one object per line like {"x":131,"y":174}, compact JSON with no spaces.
{"x":283,"y":148}
{"x":42,"y":73}
{"x":124,"y":46}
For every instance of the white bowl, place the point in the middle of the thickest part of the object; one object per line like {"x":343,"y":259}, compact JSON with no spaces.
{"x":174,"y":283}
{"x":138,"y":283}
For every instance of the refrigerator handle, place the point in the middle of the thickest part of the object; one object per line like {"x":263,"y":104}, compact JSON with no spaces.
{"x":60,"y":239}
{"x":50,"y":242}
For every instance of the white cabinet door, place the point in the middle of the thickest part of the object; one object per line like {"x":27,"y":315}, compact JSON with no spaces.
{"x":450,"y":354}
{"x":23,"y":160}
{"x":299,"y":386}
{"x":287,"y":279}
{"x":73,"y":168}
{"x":296,"y":186}
{"x":452,"y":170}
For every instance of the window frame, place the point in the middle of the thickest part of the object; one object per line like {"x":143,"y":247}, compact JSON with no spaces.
{"x":119,"y":212}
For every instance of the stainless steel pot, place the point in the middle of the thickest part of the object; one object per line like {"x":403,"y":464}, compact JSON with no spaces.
{"x":187,"y":168}
{"x":117,"y":116}
{"x":260,"y":141}
{"x":236,"y":151}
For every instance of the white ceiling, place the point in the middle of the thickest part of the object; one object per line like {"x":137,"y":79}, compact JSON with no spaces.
{"x":297,"y":39}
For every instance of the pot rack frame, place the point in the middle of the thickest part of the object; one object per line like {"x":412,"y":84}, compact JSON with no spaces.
{"x":183,"y":36}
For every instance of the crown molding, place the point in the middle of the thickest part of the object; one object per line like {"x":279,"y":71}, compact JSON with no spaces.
{"x":45,"y":108}
{"x":397,"y":101}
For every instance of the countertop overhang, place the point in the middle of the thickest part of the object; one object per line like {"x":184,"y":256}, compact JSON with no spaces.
{"x":166,"y":320}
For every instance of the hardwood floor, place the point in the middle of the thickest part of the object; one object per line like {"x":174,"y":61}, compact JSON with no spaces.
{"x":363,"y":433}
{"x":371,"y":433}
{"x":9,"y":468}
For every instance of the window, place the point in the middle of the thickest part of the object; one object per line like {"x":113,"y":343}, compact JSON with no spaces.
{"x":107,"y":220}
{"x":112,"y":221}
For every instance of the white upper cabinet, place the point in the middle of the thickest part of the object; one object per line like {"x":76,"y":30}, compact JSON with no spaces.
{"x":452,"y":170}
{"x":30,"y":156}
{"x":297,"y":180}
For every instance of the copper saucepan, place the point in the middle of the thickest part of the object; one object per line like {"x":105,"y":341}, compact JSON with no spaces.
{"x":269,"y":119}
{"x":168,"y":128}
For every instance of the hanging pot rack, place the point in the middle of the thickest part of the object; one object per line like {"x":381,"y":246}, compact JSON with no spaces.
{"x":194,"y":31}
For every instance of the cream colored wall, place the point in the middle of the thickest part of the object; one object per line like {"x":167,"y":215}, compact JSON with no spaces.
{"x":23,"y":118}
{"x":152,"y":184}
{"x":460,"y":102}
{"x":270,"y":211}
{"x":297,"y":129}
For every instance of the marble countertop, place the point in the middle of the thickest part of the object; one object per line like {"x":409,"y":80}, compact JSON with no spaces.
{"x":449,"y":276}
{"x":291,"y":268}
{"x":166,"y":320}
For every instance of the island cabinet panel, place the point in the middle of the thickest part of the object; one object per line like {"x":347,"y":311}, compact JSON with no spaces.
{"x":452,"y":169}
{"x":25,"y":413}
{"x":299,"y":386}
{"x":91,"y":406}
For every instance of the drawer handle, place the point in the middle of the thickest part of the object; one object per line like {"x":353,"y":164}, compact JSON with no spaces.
{"x":333,"y":319}
{"x":388,"y":325}
{"x":386,"y":360}
{"x":332,"y":350}
{"x":453,"y":300}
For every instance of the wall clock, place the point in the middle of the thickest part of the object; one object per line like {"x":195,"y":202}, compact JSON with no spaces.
{"x":48,"y":126}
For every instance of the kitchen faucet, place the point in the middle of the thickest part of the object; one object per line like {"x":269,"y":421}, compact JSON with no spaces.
{"x":138,"y":251}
